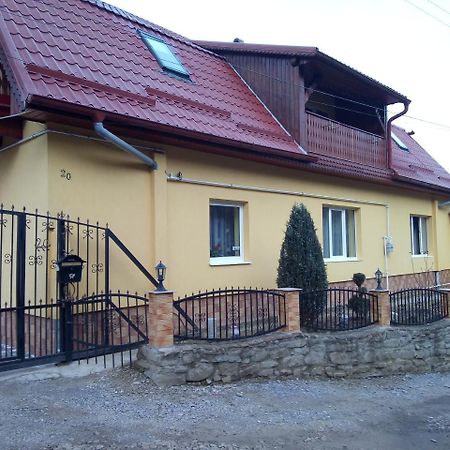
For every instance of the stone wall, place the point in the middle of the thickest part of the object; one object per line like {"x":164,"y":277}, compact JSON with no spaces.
{"x":373,"y":351}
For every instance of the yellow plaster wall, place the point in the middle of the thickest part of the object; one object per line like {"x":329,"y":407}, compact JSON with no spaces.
{"x":109,"y":186}
{"x":157,"y":219}
{"x":265,"y":216}
{"x":23,"y":172}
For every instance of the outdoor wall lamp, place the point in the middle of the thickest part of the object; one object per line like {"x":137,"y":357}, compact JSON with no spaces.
{"x":161,"y":275}
{"x":378,"y":278}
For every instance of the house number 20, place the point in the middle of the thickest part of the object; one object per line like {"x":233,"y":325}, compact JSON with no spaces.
{"x":65,"y":174}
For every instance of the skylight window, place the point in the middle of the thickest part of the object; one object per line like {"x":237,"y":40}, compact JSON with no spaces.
{"x":400,"y":143}
{"x":164,"y":55}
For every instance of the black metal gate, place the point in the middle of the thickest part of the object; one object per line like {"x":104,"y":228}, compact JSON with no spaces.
{"x":42,"y":320}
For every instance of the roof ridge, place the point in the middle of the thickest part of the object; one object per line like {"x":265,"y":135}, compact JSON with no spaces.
{"x":144,"y":22}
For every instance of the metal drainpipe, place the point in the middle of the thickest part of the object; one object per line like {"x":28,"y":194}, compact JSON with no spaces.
{"x":110,"y":137}
{"x":388,"y":134}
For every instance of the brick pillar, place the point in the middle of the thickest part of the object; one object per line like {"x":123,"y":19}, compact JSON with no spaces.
{"x":292,"y":296}
{"x":384,"y":307}
{"x":160,"y":321}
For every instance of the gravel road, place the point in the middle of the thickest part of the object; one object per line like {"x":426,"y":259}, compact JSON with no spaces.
{"x":120,"y":409}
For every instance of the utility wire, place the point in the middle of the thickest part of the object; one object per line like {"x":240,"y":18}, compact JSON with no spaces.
{"x":427,"y":13}
{"x":439,"y":7}
{"x":329,"y":94}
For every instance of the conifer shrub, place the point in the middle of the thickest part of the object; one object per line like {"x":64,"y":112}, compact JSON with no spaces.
{"x":301,"y":262}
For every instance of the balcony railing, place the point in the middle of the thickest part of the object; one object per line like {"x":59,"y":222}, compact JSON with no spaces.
{"x":328,"y":137}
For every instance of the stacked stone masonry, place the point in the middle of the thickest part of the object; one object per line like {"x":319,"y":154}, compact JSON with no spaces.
{"x":369,"y":352}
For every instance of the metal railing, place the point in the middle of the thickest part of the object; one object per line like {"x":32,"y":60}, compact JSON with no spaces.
{"x":418,"y":306}
{"x":30,"y":246}
{"x":337,"y":310}
{"x":229,"y":314}
{"x":66,"y":330}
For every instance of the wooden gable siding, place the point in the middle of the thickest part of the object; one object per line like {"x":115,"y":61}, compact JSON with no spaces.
{"x":277,"y":83}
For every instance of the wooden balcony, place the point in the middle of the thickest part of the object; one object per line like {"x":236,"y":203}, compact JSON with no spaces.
{"x":331,"y":138}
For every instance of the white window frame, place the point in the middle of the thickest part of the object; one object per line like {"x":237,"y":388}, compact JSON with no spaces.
{"x":344,"y":257}
{"x":226,"y":260}
{"x":423,"y":236}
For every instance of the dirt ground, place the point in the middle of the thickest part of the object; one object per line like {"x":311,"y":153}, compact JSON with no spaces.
{"x":120,"y":409}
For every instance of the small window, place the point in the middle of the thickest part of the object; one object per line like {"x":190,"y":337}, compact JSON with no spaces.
{"x":226,"y":240}
{"x":399,"y":142}
{"x":339,"y":233}
{"x":164,"y":55}
{"x":419,"y":235}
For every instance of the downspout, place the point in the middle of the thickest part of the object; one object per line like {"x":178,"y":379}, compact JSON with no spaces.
{"x":113,"y":139}
{"x":388,"y":134}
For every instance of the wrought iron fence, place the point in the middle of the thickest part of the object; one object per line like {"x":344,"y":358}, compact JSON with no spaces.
{"x":337,"y":310}
{"x":31,"y":325}
{"x":418,"y":306}
{"x":229,"y":314}
{"x":67,"y":330}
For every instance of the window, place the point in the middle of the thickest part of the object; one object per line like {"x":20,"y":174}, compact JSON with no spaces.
{"x":339,"y":236}
{"x":419,"y":235}
{"x":226,"y":240}
{"x":164,"y":55}
{"x":399,"y":142}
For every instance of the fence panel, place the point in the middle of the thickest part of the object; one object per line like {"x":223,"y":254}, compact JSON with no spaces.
{"x":229,"y":314}
{"x":418,"y":306}
{"x":337,"y":310}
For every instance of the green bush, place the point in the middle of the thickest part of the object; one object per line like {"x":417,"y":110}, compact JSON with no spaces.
{"x":301,"y":262}
{"x":359,"y":303}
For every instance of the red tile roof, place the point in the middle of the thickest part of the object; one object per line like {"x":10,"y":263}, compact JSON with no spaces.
{"x":89,"y":53}
{"x":416,"y":164}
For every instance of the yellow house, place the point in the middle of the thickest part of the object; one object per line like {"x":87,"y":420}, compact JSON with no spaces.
{"x":196,"y":159}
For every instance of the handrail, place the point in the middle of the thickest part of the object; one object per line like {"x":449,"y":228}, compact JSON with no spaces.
{"x":345,"y":125}
{"x":110,"y":234}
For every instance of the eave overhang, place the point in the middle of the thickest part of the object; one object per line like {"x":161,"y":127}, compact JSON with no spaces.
{"x":45,"y":109}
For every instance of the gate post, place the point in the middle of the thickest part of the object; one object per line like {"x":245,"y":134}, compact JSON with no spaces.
{"x":67,"y":323}
{"x":384,"y":307}
{"x":292,"y":296}
{"x":20,"y":284}
{"x":160,"y":319}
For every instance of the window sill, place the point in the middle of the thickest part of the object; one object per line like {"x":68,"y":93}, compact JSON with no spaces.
{"x":425,"y":255}
{"x":228,"y":263}
{"x":341,"y":260}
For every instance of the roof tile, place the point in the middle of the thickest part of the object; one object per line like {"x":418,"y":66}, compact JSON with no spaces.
{"x":98,"y":43}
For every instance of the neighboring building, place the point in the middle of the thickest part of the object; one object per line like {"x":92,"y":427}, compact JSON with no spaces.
{"x":236,"y":145}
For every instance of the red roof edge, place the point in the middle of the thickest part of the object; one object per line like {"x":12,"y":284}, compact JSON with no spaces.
{"x":396,"y":176}
{"x":90,"y":115}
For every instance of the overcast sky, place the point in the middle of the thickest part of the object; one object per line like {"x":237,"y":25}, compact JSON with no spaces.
{"x":392,"y":41}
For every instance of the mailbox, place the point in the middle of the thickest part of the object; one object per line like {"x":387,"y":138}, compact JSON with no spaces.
{"x":69,"y":269}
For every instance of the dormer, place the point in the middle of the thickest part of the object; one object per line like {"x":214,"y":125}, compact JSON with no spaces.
{"x":329,"y":108}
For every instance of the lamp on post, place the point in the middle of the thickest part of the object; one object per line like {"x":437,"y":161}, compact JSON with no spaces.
{"x":378,"y":278}
{"x":161,"y":275}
